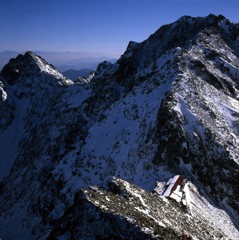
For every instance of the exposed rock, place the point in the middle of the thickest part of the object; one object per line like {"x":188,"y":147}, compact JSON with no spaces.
{"x":169,"y":105}
{"x":126,"y":211}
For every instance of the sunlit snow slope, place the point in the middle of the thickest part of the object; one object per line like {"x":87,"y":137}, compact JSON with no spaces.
{"x":169,"y":105}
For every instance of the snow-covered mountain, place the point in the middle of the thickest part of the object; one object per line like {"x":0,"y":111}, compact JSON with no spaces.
{"x":169,"y":105}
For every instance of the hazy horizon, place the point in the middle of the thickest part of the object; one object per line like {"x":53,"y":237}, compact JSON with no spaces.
{"x":95,"y":27}
{"x":67,"y":54}
{"x":66,"y":31}
{"x":61,"y":60}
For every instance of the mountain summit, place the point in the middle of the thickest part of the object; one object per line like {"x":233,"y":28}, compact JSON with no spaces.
{"x":25,"y":65}
{"x":169,"y":106}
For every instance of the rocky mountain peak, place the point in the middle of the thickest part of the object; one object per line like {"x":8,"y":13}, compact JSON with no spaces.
{"x":169,"y":106}
{"x":27,"y":63}
{"x":182,"y":33}
{"x":27,"y":66}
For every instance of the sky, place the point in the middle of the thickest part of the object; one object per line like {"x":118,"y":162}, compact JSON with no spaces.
{"x":95,"y":27}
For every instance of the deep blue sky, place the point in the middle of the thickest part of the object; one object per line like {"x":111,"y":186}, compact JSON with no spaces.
{"x":102,"y":27}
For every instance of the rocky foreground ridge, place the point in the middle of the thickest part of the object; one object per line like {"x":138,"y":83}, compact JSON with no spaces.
{"x":125,"y":211}
{"x":169,"y":105}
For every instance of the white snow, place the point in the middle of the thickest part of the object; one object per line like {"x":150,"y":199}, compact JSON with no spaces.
{"x":10,"y":227}
{"x":177,"y":194}
{"x":4,"y":94}
{"x":119,"y":134}
{"x":47,"y":68}
{"x":122,"y":142}
{"x":171,"y":184}
{"x":198,"y":205}
{"x":9,"y":139}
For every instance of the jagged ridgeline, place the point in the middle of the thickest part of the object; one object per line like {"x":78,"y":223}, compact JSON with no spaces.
{"x":169,"y":106}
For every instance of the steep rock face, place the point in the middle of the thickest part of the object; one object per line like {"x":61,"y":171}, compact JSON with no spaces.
{"x":169,"y":104}
{"x":7,"y":108}
{"x":30,"y":86}
{"x":26,"y":65}
{"x":204,"y":125}
{"x":45,"y":126}
{"x":125,"y":211}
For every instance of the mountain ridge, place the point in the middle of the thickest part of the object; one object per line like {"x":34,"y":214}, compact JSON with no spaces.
{"x":168,"y":105}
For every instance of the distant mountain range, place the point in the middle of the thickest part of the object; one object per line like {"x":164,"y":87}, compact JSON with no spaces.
{"x":62,"y":61}
{"x":74,"y":74}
